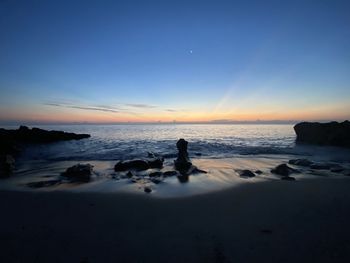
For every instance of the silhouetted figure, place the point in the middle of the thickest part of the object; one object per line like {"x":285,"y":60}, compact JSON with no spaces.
{"x":182,"y":163}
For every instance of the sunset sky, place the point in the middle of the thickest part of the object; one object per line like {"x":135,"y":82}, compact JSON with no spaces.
{"x":149,"y":61}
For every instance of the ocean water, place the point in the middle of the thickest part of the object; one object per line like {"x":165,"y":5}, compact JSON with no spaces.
{"x":219,"y":149}
{"x":114,"y":142}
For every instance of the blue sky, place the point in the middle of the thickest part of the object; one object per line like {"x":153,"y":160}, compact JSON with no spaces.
{"x":166,"y":60}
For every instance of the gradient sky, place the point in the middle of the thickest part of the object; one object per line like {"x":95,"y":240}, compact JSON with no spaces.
{"x":112,"y":61}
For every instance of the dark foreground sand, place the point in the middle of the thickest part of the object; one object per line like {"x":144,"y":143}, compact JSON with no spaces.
{"x":277,"y":221}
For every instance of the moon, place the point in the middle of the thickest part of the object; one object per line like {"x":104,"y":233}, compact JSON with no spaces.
{"x":191,"y":51}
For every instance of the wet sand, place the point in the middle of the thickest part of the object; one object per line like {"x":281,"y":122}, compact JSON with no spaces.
{"x":272,"y":221}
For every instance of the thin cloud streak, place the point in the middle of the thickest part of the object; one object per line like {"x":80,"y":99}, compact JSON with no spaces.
{"x":144,"y":106}
{"x":90,"y":108}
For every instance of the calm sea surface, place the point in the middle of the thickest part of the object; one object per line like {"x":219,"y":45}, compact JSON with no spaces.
{"x":111,"y":142}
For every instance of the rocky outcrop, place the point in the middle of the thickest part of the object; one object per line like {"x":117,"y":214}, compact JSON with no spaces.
{"x":10,"y":141}
{"x":36,"y":135}
{"x":332,"y":133}
{"x":79,"y":172}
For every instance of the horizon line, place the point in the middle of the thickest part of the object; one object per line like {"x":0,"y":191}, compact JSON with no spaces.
{"x":30,"y":123}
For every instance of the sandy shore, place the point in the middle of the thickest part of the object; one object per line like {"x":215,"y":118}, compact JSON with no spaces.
{"x":275,"y":221}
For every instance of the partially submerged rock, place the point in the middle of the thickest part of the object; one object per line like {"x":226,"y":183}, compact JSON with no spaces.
{"x":156,"y":162}
{"x":182,"y":163}
{"x":147,"y":189}
{"x":138,"y":164}
{"x":183,"y":178}
{"x":283,"y":170}
{"x":155,"y":174}
{"x":79,"y":172}
{"x":245,"y":173}
{"x":332,"y":133}
{"x":170,"y":173}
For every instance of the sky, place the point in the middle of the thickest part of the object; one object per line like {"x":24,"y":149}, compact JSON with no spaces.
{"x":187,"y":61}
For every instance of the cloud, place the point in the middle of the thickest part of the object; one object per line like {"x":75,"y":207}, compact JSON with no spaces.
{"x":143,"y":106}
{"x":90,"y":108}
{"x":94,"y":108}
{"x":171,"y":110}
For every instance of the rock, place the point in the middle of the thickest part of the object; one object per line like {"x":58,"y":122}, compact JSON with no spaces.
{"x":147,"y":189}
{"x":245,"y":173}
{"x":36,"y":135}
{"x":320,"y":166}
{"x":79,"y":172}
{"x":300,"y":162}
{"x":138,"y":165}
{"x":332,"y":133}
{"x":156,"y":180}
{"x":283,"y":170}
{"x":183,"y":178}
{"x":182,"y":163}
{"x":198,"y":171}
{"x":170,"y":173}
{"x":129,"y":174}
{"x":156,"y":163}
{"x":7,"y":165}
{"x":287,"y":178}
{"x":155,"y":174}
{"x":41,"y":184}
{"x":258,"y":172}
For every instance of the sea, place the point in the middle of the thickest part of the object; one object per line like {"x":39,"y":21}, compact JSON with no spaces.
{"x":267,"y":144}
{"x":111,"y":142}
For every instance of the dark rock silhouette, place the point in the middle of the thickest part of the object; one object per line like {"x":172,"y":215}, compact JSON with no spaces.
{"x":148,"y":189}
{"x":183,"y":178}
{"x":156,"y":162}
{"x":7,"y":164}
{"x":79,"y":172}
{"x":245,"y":173}
{"x":138,"y":164}
{"x":131,"y":164}
{"x":170,"y":173}
{"x":155,"y":174}
{"x":182,"y":163}
{"x":332,"y":133}
{"x":10,"y":141}
{"x":283,"y":170}
{"x":36,"y":135}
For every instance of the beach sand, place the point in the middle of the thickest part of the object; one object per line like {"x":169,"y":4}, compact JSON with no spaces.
{"x":272,"y":221}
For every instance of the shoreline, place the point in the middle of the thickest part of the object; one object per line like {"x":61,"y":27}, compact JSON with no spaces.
{"x":280,"y":221}
{"x":221,"y":174}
